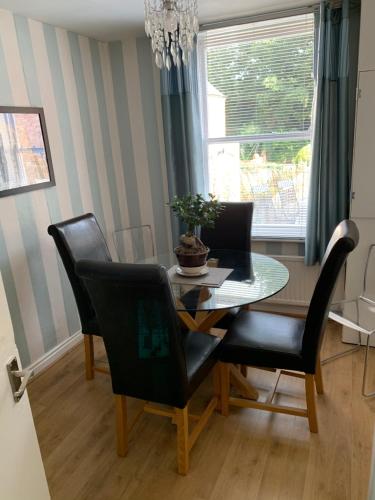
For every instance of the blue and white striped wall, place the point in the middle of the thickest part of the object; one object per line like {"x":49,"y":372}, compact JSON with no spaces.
{"x":103,"y":113}
{"x":103,"y":116}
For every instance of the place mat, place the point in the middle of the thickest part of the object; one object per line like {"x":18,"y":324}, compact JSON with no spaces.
{"x":213,"y":279}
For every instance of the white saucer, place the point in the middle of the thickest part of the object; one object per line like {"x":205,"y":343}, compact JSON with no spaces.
{"x":202,"y":272}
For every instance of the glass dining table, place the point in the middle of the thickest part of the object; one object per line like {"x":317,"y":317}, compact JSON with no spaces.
{"x":253,"y":278}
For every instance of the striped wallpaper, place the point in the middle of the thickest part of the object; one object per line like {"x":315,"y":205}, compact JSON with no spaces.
{"x":103,"y":116}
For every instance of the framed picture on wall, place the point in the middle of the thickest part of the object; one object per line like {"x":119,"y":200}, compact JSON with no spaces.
{"x":25,"y":157}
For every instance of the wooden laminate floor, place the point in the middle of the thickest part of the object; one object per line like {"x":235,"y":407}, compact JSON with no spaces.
{"x":249,"y":455}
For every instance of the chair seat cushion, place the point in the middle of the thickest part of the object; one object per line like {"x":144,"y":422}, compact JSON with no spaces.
{"x":264,"y":340}
{"x":199,"y":353}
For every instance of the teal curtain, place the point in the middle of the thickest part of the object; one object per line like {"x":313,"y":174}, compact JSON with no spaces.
{"x":336,"y":53}
{"x":182,"y":133}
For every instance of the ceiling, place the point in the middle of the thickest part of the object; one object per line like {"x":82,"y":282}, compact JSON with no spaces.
{"x":116,"y":19}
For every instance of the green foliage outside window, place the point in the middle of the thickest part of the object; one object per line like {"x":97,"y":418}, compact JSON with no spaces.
{"x":269,"y":88}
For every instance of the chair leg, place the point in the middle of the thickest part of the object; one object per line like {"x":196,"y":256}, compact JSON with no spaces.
{"x":121,"y":425}
{"x":89,"y":356}
{"x":318,"y":378}
{"x":182,"y":420}
{"x":217,"y":384}
{"x":225,"y":388}
{"x":244,"y":370}
{"x":310,"y":400}
{"x":365,"y":369}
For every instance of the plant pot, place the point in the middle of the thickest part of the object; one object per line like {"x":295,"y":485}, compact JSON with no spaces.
{"x":191,"y":259}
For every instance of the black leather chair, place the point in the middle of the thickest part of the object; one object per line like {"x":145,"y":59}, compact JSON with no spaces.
{"x":149,"y":357}
{"x":291,"y":345}
{"x":232,"y":229}
{"x":77,"y":239}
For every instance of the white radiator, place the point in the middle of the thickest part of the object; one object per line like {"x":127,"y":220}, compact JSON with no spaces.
{"x":301,"y":284}
{"x":299,"y":290}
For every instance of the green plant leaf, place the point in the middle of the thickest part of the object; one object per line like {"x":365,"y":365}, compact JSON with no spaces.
{"x":195,"y":211}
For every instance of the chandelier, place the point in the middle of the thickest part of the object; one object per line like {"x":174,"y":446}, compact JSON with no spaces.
{"x":172,"y":26}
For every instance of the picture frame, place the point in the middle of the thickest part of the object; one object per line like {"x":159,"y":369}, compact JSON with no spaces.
{"x":25,"y":156}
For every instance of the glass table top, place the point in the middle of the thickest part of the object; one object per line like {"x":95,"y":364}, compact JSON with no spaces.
{"x":254,"y":278}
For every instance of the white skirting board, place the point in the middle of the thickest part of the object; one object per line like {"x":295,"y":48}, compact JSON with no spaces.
{"x":56,"y":353}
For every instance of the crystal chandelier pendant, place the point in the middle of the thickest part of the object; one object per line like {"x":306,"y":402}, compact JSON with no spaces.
{"x":172,"y":26}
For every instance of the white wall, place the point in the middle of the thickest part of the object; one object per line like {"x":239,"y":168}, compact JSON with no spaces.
{"x":363,"y":179}
{"x":363,"y":182}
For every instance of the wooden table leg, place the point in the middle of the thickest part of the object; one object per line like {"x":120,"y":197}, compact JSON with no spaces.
{"x":188,"y":320}
{"x":202,"y":322}
{"x":211,"y":319}
{"x":205,"y":324}
{"x":242,"y":384}
{"x":203,"y":296}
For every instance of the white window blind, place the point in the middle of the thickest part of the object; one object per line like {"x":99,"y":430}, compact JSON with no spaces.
{"x":257,"y":91}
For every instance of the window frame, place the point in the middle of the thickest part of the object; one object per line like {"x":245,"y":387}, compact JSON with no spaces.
{"x":247,"y":139}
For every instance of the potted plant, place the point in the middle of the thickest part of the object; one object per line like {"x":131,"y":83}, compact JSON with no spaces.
{"x":195,"y":212}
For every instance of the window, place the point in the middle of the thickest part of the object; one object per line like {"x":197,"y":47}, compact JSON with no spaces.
{"x":257,"y":89}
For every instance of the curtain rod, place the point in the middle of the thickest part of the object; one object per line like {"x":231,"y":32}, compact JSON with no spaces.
{"x":260,"y":17}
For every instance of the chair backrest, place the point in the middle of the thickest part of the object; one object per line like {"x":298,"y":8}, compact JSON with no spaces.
{"x":77,"y":239}
{"x":134,"y":243}
{"x":138,"y":321}
{"x":232,"y":229}
{"x":343,"y":241}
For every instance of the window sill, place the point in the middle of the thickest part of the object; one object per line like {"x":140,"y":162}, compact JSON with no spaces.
{"x":281,"y":239}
